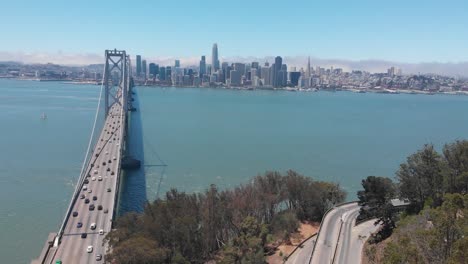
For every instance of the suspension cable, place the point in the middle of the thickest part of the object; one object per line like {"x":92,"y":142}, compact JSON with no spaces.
{"x":85,"y":162}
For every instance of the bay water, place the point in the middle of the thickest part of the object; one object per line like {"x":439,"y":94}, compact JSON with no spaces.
{"x":189,"y":138}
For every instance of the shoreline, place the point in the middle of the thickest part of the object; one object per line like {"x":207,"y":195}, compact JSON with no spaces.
{"x":309,"y":90}
{"x":285,"y":89}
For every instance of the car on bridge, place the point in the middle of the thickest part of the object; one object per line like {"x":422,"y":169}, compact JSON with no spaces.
{"x":75,"y":214}
{"x":84,"y":235}
{"x":89,"y":249}
{"x":79,"y":225}
{"x":98,"y":257}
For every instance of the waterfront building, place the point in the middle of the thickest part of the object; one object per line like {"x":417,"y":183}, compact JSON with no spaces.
{"x":162,"y":73}
{"x":214,"y":58}
{"x":153,"y":69}
{"x":143,"y":68}
{"x":240,"y":68}
{"x":138,"y":65}
{"x":187,"y":80}
{"x":208,"y":69}
{"x":294,"y":78}
{"x":236,"y":78}
{"x":265,"y":75}
{"x":168,"y":74}
{"x":213,"y":78}
{"x":202,"y":67}
{"x":253,"y":73}
{"x":277,"y":79}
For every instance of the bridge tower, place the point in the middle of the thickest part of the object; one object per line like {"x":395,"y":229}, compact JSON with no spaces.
{"x":117,"y":74}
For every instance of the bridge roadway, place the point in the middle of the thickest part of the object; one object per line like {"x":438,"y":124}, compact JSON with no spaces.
{"x":73,"y":248}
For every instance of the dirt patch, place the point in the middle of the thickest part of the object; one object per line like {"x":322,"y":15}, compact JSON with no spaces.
{"x":305,"y":230}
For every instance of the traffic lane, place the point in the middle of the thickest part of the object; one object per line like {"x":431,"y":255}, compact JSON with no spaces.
{"x":345,"y":238}
{"x":80,"y":246}
{"x":77,"y":246}
{"x":327,"y":235}
{"x":105,"y":200}
{"x":329,"y":232}
{"x":100,"y":189}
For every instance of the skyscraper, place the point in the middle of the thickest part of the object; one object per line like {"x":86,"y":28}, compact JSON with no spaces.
{"x":308,"y":73}
{"x":202,"y":69}
{"x":177,"y":63}
{"x":143,"y":68}
{"x":277,"y":79}
{"x":153,"y":69}
{"x":214,"y":58}
{"x":162,"y":73}
{"x":168,"y":73}
{"x":240,"y":68}
{"x":138,"y":65}
{"x":235,"y":78}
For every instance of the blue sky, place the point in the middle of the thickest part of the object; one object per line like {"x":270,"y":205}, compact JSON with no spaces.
{"x":405,"y":31}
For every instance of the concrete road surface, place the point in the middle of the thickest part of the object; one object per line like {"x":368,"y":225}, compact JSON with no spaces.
{"x":73,"y":248}
{"x":327,"y":240}
{"x":353,"y":239}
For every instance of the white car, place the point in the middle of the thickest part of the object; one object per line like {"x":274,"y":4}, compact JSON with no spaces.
{"x":101,"y":231}
{"x":114,"y":158}
{"x":89,"y":249}
{"x":95,"y":172}
{"x":99,"y":178}
{"x":93,"y":226}
{"x":85,"y":187}
{"x":93,"y":178}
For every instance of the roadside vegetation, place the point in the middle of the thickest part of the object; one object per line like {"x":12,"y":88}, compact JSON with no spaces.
{"x":238,"y":225}
{"x":433,"y":228}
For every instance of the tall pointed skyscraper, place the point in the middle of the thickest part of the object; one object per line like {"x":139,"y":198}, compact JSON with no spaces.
{"x":214,"y":58}
{"x":308,"y":73}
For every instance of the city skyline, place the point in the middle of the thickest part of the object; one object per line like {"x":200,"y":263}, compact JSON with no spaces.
{"x":398,"y":31}
{"x":374,"y":66}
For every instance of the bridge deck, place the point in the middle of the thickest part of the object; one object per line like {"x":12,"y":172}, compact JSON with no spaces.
{"x":72,"y":248}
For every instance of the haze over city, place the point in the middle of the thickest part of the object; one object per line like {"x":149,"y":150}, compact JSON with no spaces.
{"x":363,"y":35}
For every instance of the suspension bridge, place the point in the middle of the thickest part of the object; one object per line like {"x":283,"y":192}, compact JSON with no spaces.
{"x":92,"y":209}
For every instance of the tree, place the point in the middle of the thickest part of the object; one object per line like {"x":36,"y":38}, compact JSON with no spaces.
{"x":375,"y":203}
{"x":137,"y":250}
{"x":421,"y":177}
{"x":456,"y":157}
{"x":248,"y":247}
